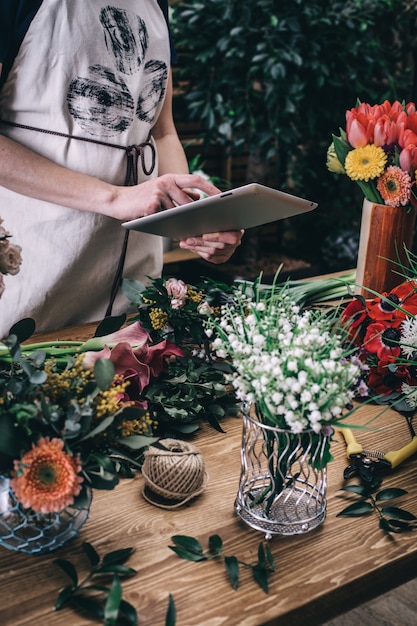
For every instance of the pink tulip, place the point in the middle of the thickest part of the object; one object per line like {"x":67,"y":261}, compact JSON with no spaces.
{"x":386,"y":131}
{"x":407,"y":137}
{"x":408,"y":158}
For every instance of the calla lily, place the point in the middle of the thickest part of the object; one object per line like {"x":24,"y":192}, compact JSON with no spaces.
{"x":134,"y":334}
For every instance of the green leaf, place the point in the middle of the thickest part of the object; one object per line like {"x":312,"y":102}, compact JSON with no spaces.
{"x":390,"y":494}
{"x":117,"y":557}
{"x":128,"y":612}
{"x":104,"y":373}
{"x":398,"y":514}
{"x":23,"y":329}
{"x":121,"y":570}
{"x":215,"y":544}
{"x":356,"y":510}
{"x":89,"y":605}
{"x":110,"y":325}
{"x":186,"y":554}
{"x":232,"y":567}
{"x":269,"y":557}
{"x":111,"y":608}
{"x":360,"y":490}
{"x":137,"y":442}
{"x":91,"y":553}
{"x":69,"y":570}
{"x":132,"y":289}
{"x":171,"y":614}
{"x":188,"y":543}
{"x":63,"y":597}
{"x":261,"y":576}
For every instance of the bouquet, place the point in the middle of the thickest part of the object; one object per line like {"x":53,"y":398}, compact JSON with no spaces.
{"x":383,"y":332}
{"x":378,"y":150}
{"x":75,"y":415}
{"x":290,"y":363}
{"x":10,"y":257}
{"x":67,"y":421}
{"x":170,"y":308}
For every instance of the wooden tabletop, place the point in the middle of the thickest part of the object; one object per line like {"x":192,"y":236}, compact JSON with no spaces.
{"x":318,"y":574}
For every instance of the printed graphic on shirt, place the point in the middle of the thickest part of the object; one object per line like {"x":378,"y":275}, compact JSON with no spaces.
{"x":101,"y":102}
{"x":126,"y":37}
{"x":156,"y":75}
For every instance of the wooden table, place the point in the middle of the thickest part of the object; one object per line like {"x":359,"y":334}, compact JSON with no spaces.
{"x":318,"y":575}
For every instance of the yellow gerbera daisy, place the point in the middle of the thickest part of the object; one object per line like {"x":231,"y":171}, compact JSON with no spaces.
{"x":46,"y":479}
{"x":365,"y":163}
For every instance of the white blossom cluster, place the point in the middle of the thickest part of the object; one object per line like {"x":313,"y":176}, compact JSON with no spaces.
{"x":408,"y":344}
{"x":291,"y":363}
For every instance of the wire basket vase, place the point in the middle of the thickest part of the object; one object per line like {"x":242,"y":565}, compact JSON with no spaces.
{"x":24,"y":530}
{"x":282,"y":488}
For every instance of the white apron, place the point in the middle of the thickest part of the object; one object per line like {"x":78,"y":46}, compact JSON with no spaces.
{"x":97,"y":71}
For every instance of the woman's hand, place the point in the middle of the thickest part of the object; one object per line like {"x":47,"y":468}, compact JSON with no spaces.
{"x":164,"y":192}
{"x":214,"y":247}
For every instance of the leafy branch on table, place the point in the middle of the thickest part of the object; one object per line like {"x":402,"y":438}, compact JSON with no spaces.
{"x":107,"y":603}
{"x":191,"y":549}
{"x":392,"y":519}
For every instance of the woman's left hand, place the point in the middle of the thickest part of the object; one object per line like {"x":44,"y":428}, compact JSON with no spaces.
{"x":214,"y":247}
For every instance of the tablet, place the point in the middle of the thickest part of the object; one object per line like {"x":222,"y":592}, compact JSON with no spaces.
{"x":243,"y":207}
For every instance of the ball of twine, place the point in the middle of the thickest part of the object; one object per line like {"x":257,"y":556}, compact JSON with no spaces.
{"x":174,"y":473}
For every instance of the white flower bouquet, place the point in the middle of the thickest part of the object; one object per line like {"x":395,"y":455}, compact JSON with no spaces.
{"x":290,"y":363}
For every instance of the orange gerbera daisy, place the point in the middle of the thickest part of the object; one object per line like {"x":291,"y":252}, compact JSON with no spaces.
{"x":46,"y":479}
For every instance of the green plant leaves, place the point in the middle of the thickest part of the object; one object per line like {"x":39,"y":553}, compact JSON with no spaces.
{"x":190,"y":549}
{"x":391,"y":518}
{"x":187,"y":548}
{"x":108,"y":605}
{"x":232,"y":567}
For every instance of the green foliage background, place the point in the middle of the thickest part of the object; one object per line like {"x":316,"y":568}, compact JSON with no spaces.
{"x":276,"y":78}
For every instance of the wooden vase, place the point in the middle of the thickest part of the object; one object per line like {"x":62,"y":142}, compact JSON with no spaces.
{"x":385,"y":233}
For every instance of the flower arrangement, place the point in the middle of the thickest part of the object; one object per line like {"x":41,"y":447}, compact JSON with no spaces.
{"x":66,"y":420}
{"x":10,"y":256}
{"x":76,"y":414}
{"x":378,"y":150}
{"x":290,"y":363}
{"x":170,"y":308}
{"x":383,"y":332}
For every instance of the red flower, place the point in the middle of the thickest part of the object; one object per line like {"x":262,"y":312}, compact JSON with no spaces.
{"x":383,"y":340}
{"x":384,"y":380}
{"x":386,"y":308}
{"x":354,"y":315}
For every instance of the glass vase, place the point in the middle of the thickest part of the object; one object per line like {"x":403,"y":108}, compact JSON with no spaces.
{"x":24,"y":530}
{"x":282,"y":488}
{"x":385,"y":230}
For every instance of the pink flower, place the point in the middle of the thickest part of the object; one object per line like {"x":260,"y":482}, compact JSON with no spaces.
{"x":394,"y":186}
{"x":134,"y":334}
{"x":10,"y":258}
{"x":386,"y":131}
{"x":136,"y":364}
{"x":176,"y":288}
{"x":408,"y":158}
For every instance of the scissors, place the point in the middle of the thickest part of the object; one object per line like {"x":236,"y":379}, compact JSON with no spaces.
{"x":368,"y":463}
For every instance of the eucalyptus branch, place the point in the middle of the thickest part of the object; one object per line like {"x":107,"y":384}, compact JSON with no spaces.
{"x":191,"y":549}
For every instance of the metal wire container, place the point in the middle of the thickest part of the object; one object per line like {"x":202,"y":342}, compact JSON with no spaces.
{"x":24,"y":530}
{"x":282,"y":488}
